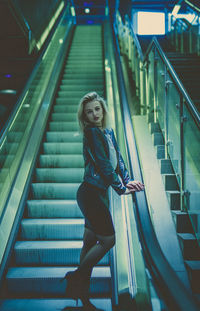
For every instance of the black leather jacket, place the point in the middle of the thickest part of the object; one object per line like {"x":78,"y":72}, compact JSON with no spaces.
{"x":98,"y":168}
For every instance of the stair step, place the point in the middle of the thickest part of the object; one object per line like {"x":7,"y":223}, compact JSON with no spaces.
{"x":189,"y":246}
{"x":53,"y":209}
{"x":166,"y":166}
{"x":160,"y":151}
{"x":56,"y":253}
{"x":193,"y":268}
{"x":154,"y":127}
{"x":158,"y":139}
{"x":170,"y":182}
{"x":54,"y":191}
{"x":182,"y":222}
{"x":50,"y":304}
{"x":62,"y":174}
{"x":174,"y":199}
{"x":45,"y":281}
{"x":52,"y":229}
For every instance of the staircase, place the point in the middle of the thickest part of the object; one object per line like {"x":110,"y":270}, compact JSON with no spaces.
{"x":188,"y":242}
{"x":187,"y":67}
{"x":50,"y":237}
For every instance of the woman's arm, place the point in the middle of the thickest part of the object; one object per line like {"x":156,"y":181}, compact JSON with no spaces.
{"x":121,"y":165}
{"x":96,"y":143}
{"x":132,"y":185}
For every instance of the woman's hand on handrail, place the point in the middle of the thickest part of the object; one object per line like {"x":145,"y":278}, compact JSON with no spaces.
{"x":134,"y":186}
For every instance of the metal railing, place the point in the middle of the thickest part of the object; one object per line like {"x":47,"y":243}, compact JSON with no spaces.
{"x":185,"y":36}
{"x":164,"y":99}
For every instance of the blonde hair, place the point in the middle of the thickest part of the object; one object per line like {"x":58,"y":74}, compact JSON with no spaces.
{"x":90,"y":97}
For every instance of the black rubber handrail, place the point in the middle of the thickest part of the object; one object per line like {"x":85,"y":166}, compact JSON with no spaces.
{"x":172,"y":290}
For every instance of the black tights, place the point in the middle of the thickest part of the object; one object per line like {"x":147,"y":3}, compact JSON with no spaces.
{"x":93,"y":250}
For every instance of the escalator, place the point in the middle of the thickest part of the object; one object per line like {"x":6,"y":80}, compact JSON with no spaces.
{"x":49,"y":240}
{"x":48,"y":243}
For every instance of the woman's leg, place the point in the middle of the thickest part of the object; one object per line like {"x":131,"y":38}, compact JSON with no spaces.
{"x":96,"y":253}
{"x":89,"y":240}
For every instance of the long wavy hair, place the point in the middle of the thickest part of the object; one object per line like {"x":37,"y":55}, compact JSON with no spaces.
{"x":90,"y":97}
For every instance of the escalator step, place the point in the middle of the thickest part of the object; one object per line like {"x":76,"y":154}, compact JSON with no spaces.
{"x":54,"y":253}
{"x":84,"y":88}
{"x":54,"y":190}
{"x":61,"y":175}
{"x":72,"y":161}
{"x":45,"y":281}
{"x":63,"y":137}
{"x":82,"y":75}
{"x":63,"y":126}
{"x":68,"y":101}
{"x":84,"y":81}
{"x":52,"y":229}
{"x":65,"y":108}
{"x":49,"y":304}
{"x":64,"y":116}
{"x":53,"y":209}
{"x":63,"y":148}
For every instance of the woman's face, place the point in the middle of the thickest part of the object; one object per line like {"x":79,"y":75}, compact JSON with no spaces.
{"x":94,"y":113}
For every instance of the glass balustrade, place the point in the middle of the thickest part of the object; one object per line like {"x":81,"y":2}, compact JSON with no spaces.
{"x":15,"y":138}
{"x":168,"y":105}
{"x":191,"y":163}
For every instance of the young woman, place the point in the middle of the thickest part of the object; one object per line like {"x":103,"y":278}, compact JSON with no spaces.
{"x":104,"y":167}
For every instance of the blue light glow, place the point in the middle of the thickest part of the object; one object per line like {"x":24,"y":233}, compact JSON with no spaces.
{"x":90,"y":22}
{"x":8,"y":76}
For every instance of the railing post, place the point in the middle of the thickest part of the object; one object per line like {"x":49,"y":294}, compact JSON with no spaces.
{"x":155,"y":87}
{"x":182,"y":183}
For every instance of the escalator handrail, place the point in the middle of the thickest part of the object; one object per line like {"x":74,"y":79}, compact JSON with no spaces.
{"x":155,"y":44}
{"x":174,"y":292}
{"x":5,"y":128}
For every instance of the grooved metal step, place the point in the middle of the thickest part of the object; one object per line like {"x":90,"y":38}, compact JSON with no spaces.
{"x":53,"y":209}
{"x":45,"y":281}
{"x":48,"y":229}
{"x":54,"y":190}
{"x":41,"y":253}
{"x":61,"y":174}
{"x":73,"y":162}
{"x":62,"y":148}
{"x":49,"y":304}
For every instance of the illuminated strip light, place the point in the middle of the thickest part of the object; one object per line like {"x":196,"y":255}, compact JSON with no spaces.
{"x":16,"y":115}
{"x":48,"y":29}
{"x":176,"y":9}
{"x":73,"y":11}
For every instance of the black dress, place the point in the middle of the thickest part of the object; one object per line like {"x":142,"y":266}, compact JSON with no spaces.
{"x":94,"y":204}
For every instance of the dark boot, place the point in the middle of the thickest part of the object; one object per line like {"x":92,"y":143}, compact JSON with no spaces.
{"x":87,"y":305}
